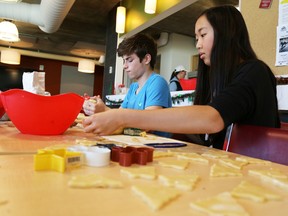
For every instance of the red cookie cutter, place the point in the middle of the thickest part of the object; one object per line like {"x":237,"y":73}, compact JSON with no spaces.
{"x":126,"y":156}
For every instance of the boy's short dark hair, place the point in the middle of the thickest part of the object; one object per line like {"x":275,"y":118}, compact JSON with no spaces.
{"x":140,"y":44}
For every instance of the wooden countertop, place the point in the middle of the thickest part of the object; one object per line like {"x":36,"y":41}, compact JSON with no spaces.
{"x":29,"y":192}
{"x":12,"y":141}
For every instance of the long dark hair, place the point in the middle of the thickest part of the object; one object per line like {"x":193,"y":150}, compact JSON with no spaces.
{"x":231,"y":47}
{"x":174,"y":74}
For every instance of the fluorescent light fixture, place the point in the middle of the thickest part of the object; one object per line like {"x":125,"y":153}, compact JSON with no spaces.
{"x":86,"y":66}
{"x":150,"y":6}
{"x":8,"y":31}
{"x":120,"y":19}
{"x":10,"y":57}
{"x":10,"y":1}
{"x":101,"y":59}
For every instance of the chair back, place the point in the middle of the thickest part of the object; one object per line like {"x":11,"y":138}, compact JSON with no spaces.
{"x":259,"y":142}
{"x":284,"y":125}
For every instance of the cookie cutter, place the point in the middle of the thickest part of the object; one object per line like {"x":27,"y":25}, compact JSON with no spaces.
{"x":126,"y":156}
{"x":93,"y":155}
{"x":57,"y":159}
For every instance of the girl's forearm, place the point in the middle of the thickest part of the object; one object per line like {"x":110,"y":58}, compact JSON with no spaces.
{"x":192,"y":119}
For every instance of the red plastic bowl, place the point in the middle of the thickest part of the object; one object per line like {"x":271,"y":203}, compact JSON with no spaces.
{"x":2,"y":110}
{"x":41,"y":115}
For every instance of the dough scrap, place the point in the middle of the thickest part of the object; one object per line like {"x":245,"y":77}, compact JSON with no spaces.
{"x":173,"y":163}
{"x":147,"y":172}
{"x":221,"y":204}
{"x":155,"y":197}
{"x":233,"y":163}
{"x":251,"y":160}
{"x":93,"y":181}
{"x":217,"y":170}
{"x":194,"y":157}
{"x":158,"y":154}
{"x":271,"y":176}
{"x":183,"y":182}
{"x":215,"y":154}
{"x":254,"y":192}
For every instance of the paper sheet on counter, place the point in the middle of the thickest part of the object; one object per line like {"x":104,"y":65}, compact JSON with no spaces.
{"x":138,"y":140}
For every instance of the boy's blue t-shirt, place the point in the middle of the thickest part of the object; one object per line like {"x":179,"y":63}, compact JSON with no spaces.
{"x":155,"y":92}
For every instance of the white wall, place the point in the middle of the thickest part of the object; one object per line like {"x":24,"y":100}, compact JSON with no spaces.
{"x":178,"y":51}
{"x":119,"y":73}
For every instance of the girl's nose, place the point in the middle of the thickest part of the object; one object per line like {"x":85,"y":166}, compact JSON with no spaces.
{"x":198,"y":46}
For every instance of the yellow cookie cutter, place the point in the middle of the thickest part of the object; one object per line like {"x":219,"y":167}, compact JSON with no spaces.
{"x":57,"y":159}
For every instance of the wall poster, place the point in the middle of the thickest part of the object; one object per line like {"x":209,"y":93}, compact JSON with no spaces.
{"x":282,"y":35}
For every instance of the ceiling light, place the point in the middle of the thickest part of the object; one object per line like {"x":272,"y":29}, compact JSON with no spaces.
{"x":8,"y":31}
{"x":86,"y":66}
{"x":150,"y":6}
{"x":10,"y":1}
{"x":10,"y":57}
{"x":120,"y":19}
{"x":101,"y":59}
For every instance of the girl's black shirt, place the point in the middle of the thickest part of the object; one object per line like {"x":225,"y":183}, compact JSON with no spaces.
{"x":249,"y":99}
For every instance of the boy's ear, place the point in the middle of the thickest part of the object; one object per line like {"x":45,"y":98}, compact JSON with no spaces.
{"x":147,"y":59}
